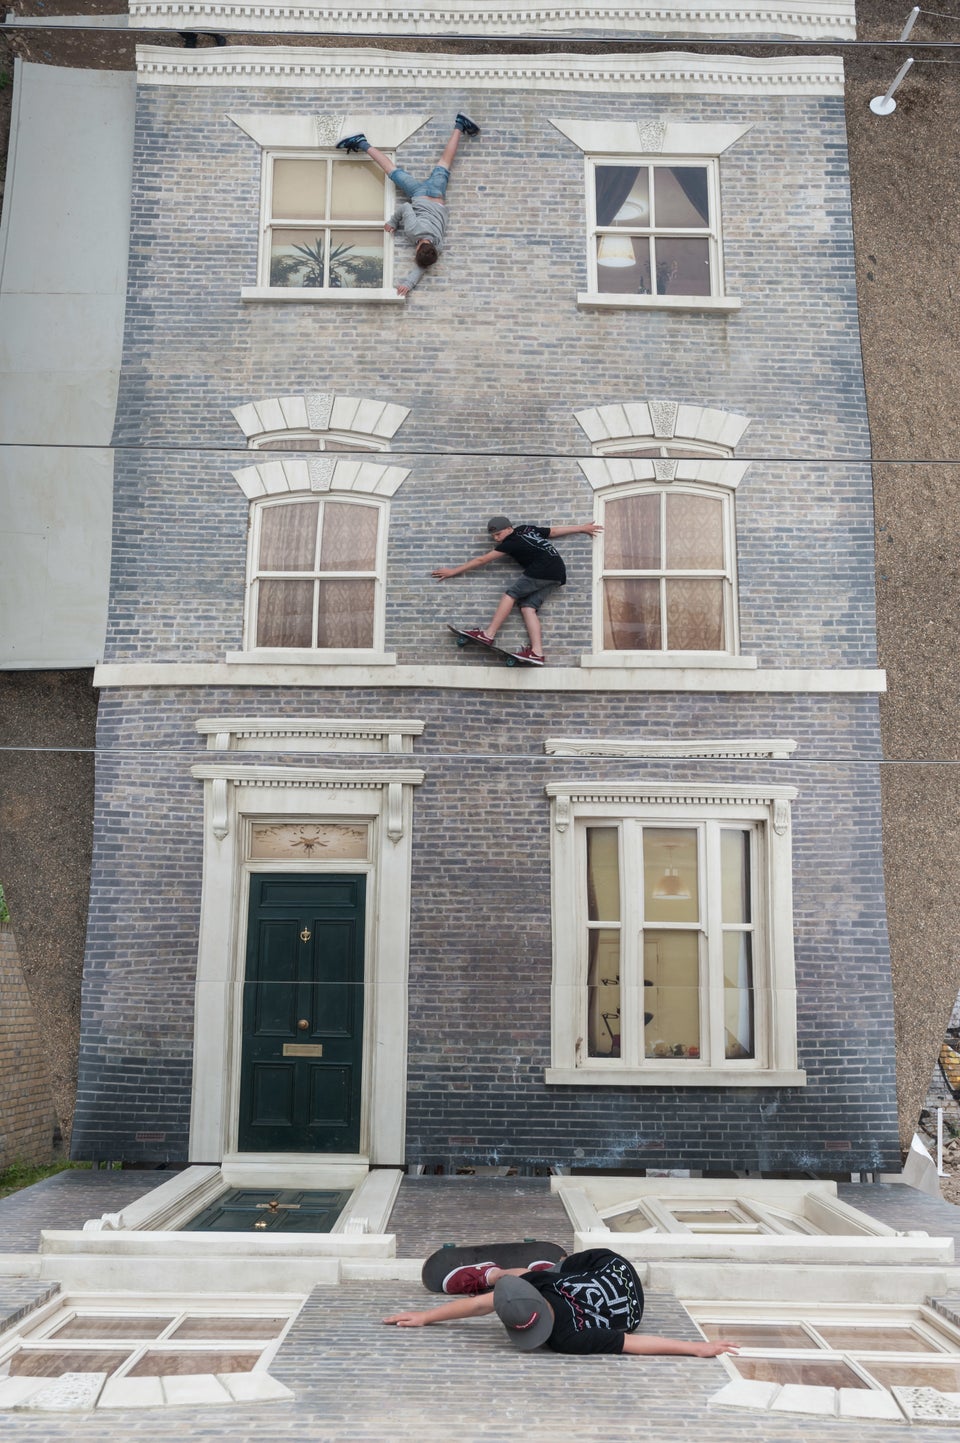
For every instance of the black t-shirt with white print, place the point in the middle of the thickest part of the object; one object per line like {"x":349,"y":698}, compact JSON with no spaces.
{"x":530,"y":546}
{"x":595,"y":1300}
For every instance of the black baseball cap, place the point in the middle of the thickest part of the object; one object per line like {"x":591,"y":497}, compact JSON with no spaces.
{"x":499,"y":523}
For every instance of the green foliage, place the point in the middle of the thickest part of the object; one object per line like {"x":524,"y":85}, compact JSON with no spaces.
{"x":346,"y":269}
{"x":23,"y":1174}
{"x":4,"y":909}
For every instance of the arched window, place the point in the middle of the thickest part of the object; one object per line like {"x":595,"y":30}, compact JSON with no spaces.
{"x":667,"y":574}
{"x":316,"y":557}
{"x":316,"y":572}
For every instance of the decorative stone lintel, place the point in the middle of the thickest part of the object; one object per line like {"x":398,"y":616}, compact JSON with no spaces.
{"x":754,"y":748}
{"x":667,"y":794}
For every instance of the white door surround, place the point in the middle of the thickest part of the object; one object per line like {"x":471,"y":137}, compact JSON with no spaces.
{"x":235,"y":797}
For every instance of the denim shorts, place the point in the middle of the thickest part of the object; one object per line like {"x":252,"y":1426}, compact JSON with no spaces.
{"x":434,"y":187}
{"x":531,"y":591}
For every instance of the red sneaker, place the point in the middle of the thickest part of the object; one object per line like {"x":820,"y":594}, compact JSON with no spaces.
{"x":468,"y":1281}
{"x":527,"y":653}
{"x":480,"y":635}
{"x":542,"y":1267}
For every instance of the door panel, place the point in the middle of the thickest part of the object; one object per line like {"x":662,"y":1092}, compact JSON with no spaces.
{"x":303,"y":1014}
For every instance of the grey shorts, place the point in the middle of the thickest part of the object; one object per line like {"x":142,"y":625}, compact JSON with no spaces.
{"x":531,"y":591}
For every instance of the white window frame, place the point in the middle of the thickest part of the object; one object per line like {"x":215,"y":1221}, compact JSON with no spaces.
{"x":717,"y":299}
{"x":263,"y":289}
{"x":254,"y":575}
{"x":728,"y":574}
{"x":575,"y":806}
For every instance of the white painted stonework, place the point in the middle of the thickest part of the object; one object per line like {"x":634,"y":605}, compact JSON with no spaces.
{"x":235,"y":795}
{"x":676,"y":73}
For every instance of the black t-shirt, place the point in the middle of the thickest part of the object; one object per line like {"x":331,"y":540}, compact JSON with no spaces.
{"x":595,"y":1300}
{"x":531,"y":547}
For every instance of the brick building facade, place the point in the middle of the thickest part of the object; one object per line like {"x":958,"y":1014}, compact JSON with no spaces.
{"x":515,"y":830}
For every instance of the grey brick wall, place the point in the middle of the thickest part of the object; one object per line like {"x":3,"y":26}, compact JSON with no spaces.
{"x":480,"y":960}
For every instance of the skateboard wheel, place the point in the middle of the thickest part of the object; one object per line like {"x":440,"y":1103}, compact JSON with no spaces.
{"x":461,"y":641}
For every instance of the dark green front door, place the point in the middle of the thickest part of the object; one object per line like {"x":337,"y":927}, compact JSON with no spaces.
{"x":302,"y":1015}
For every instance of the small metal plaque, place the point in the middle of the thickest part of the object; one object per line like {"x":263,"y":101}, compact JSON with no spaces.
{"x":303,"y":1049}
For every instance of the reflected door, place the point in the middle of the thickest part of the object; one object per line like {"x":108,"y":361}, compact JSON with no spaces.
{"x":300,"y":1088}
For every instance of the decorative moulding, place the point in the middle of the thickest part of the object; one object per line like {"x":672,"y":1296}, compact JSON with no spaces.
{"x":369,"y":421}
{"x":806,"y":19}
{"x":649,"y":137}
{"x":222,"y":776}
{"x":647,"y":422}
{"x":606,"y":471}
{"x":255,"y":670}
{"x":677,"y":73}
{"x":567,"y":795}
{"x":274,"y":130}
{"x":323,"y":473}
{"x":641,"y":747}
{"x":227,"y":734}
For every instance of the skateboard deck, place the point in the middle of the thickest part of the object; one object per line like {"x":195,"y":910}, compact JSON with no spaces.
{"x":510,"y":657}
{"x":505,"y":1255}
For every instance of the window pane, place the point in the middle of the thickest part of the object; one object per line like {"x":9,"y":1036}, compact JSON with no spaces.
{"x":631,"y":533}
{"x":54,"y":1363}
{"x":631,"y":615}
{"x":603,"y":992}
{"x":603,"y":874}
{"x":296,"y":257}
{"x":735,"y":875}
{"x":284,"y":613}
{"x":694,"y":533}
{"x":170,"y":1364}
{"x":623,"y":195}
{"x":759,"y":1335}
{"x":683,"y":267}
{"x":854,"y":1337}
{"x":119,"y":1325}
{"x":345,"y":613}
{"x":813,"y":1372}
{"x":349,"y":540}
{"x":681,"y":197}
{"x":670,"y":876}
{"x":224,"y":1328}
{"x":943,"y":1376}
{"x":671,"y":964}
{"x":356,"y":258}
{"x":695,"y":615}
{"x":623,"y":265}
{"x":299,"y":189}
{"x":357,"y":191}
{"x":288,"y":536}
{"x":738,"y":994}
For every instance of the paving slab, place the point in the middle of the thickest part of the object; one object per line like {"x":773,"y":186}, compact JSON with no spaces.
{"x":17,"y":1299}
{"x":67,"y":1200}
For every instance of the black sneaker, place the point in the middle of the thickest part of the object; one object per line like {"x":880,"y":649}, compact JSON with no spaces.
{"x":464,"y":123}
{"x":353,"y":143}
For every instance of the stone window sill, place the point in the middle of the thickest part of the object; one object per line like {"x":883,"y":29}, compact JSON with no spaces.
{"x":291,"y":657}
{"x":307,"y":296}
{"x":685,"y":659}
{"x":592,"y":299}
{"x":689,"y":1076}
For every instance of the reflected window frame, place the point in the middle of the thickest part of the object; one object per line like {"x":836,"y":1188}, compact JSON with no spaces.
{"x":727,"y":574}
{"x":765,"y":814}
{"x":711,"y":232}
{"x":255,"y":573}
{"x":269,"y":222}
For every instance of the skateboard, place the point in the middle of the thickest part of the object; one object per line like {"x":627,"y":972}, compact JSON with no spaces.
{"x":510,"y":657}
{"x":505,"y":1255}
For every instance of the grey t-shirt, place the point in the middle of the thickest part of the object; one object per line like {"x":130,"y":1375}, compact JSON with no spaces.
{"x":419,"y":219}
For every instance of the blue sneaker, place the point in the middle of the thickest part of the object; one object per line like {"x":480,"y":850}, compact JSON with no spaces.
{"x":464,"y":123}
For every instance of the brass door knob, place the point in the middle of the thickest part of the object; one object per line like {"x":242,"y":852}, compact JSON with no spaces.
{"x":304,"y":1024}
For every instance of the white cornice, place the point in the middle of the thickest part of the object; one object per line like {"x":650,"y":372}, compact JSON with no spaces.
{"x":850,"y":681}
{"x":806,"y":20}
{"x":304,"y":68}
{"x":758,"y":748}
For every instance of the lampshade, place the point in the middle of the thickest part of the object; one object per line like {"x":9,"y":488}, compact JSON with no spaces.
{"x":670,"y":888}
{"x":616,"y":250}
{"x":632,"y":209}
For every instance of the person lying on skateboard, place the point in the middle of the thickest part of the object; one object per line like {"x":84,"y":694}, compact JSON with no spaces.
{"x":543,"y":572}
{"x":591,"y":1302}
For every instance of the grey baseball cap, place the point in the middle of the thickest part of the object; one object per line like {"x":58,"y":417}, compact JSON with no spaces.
{"x":527,"y":1317}
{"x":499,"y":523}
